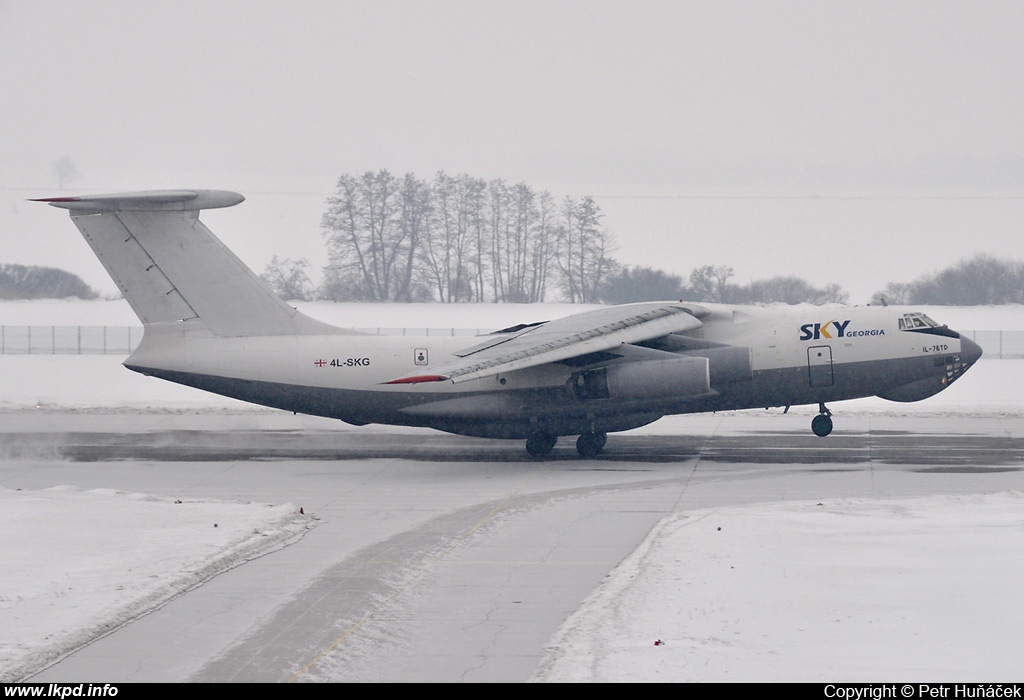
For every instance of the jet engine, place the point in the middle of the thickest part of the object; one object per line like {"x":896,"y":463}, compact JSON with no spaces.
{"x":651,"y":379}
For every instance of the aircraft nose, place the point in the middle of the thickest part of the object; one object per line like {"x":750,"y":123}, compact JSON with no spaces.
{"x":970,"y":352}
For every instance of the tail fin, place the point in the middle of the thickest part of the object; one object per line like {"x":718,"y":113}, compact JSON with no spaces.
{"x":170,"y":267}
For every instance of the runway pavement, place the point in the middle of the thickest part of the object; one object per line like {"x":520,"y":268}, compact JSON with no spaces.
{"x":442,"y":558}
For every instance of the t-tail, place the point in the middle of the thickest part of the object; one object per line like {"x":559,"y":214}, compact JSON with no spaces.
{"x":171,"y":268}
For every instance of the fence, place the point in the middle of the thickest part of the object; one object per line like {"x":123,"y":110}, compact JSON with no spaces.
{"x":121,"y":340}
{"x":999,"y":345}
{"x":69,"y":340}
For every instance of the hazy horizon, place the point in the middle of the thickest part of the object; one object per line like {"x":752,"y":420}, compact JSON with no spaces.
{"x":847,"y":143}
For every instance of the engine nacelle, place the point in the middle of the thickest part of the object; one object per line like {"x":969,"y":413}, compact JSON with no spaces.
{"x":729,"y":364}
{"x":677,"y":377}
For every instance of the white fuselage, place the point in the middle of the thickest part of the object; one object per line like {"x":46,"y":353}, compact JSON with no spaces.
{"x":796,"y":355}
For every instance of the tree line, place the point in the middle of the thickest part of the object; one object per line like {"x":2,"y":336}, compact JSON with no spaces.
{"x":711,"y":284}
{"x":34,"y":282}
{"x":465,"y":239}
{"x":981,"y":280}
{"x":976,"y":281}
{"x":458,"y":239}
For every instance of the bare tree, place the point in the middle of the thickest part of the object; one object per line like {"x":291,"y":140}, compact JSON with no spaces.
{"x":543,"y":245}
{"x":521,"y":215}
{"x":446,"y":253}
{"x":894,"y":293}
{"x":413,"y":227}
{"x":372,"y":228}
{"x":478,"y":225}
{"x":710,"y":283}
{"x":459,"y":239}
{"x":529,"y":244}
{"x":498,"y":197}
{"x":584,"y":251}
{"x":288,"y":278}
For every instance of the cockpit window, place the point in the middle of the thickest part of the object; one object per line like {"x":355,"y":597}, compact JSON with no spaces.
{"x":920,"y":323}
{"x":915,"y":320}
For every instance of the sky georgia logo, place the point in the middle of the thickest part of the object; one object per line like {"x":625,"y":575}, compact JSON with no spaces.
{"x":833,"y":329}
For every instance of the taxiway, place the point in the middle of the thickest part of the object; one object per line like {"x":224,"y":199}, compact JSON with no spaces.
{"x":441,"y":558}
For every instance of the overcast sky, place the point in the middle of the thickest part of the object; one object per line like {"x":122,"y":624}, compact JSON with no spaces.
{"x":575,"y":97}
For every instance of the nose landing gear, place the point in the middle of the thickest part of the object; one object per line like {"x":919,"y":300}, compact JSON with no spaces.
{"x":822,"y":423}
{"x":591,"y":444}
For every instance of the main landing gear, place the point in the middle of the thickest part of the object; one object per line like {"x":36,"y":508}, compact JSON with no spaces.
{"x":822,"y":423}
{"x":539,"y":445}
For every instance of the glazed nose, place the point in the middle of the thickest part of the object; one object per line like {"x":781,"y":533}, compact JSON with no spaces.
{"x":970,"y":352}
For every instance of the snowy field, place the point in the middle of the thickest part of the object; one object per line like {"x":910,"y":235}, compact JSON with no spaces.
{"x":86,"y":562}
{"x":844,"y":604}
{"x":853,"y":584}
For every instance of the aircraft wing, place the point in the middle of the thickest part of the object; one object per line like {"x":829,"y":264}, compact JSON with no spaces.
{"x":563,"y":339}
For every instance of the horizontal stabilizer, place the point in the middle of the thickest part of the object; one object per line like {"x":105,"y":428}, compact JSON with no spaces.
{"x":160,"y":200}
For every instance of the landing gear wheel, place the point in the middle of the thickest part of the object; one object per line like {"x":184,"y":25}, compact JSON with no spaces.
{"x":822,"y":425}
{"x":539,"y":445}
{"x":591,"y":444}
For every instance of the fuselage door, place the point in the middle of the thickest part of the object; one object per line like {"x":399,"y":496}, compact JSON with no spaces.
{"x":819,"y":365}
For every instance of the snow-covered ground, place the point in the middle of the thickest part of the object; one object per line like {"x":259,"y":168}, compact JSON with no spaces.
{"x":89,"y":560}
{"x":86,"y":562}
{"x":843,"y":604}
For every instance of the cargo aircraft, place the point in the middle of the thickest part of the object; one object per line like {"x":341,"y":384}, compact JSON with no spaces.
{"x":211,"y":323}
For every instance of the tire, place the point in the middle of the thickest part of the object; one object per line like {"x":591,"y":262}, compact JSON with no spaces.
{"x":821,"y":425}
{"x":591,"y":444}
{"x":539,"y":445}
